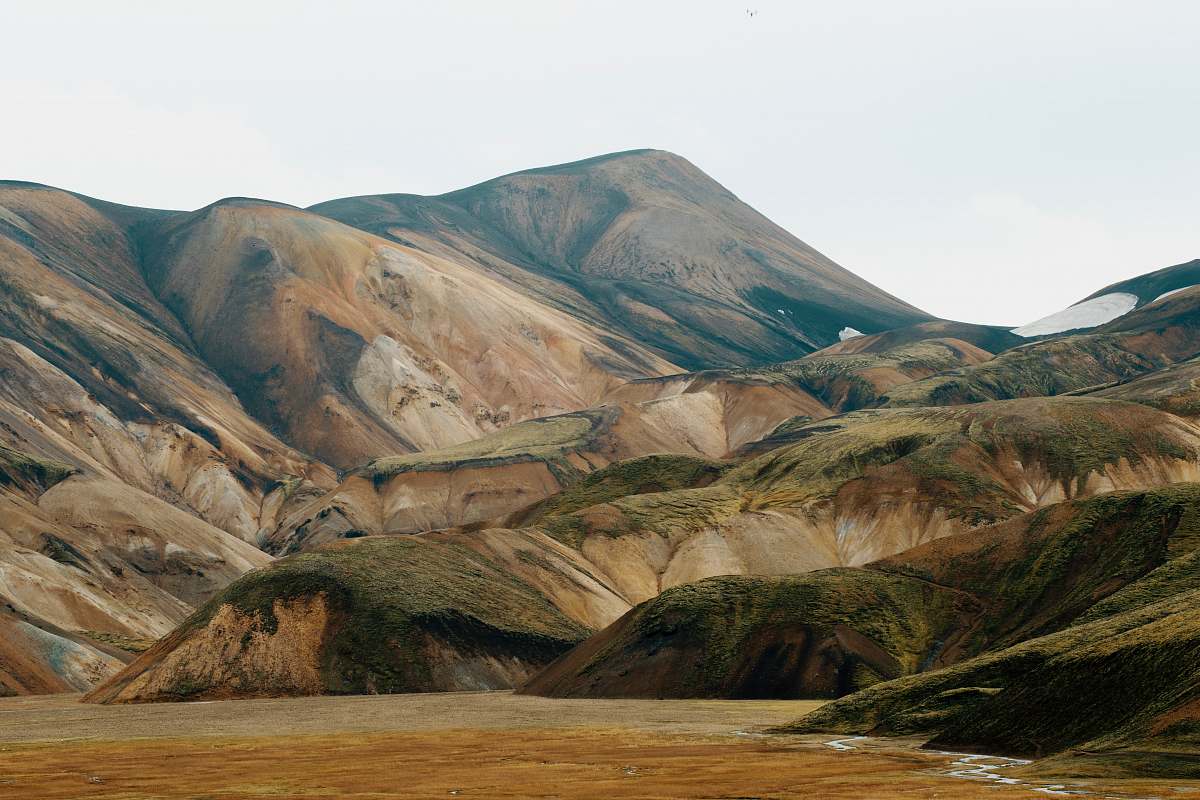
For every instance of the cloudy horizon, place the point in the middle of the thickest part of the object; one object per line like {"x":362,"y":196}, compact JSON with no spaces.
{"x":959,"y":155}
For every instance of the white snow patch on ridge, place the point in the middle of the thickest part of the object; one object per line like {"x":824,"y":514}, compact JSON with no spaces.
{"x":1173,"y":291}
{"x":848,"y":333}
{"x":1087,"y":314}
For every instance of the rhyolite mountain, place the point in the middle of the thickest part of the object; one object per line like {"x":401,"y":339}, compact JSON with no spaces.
{"x":645,"y":243}
{"x":182,"y":391}
{"x":596,"y":429}
{"x":842,"y":493}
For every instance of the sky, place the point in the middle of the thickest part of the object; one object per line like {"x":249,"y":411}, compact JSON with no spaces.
{"x":985,"y":161}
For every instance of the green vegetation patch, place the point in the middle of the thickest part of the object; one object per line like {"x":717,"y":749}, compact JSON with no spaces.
{"x":645,"y":475}
{"x":1056,"y":566}
{"x":1041,"y":369}
{"x":31,"y":472}
{"x":548,"y":439}
{"x":130,"y":644}
{"x":1117,"y":679}
{"x":950,"y":457}
{"x":820,"y":634}
{"x":390,"y":597}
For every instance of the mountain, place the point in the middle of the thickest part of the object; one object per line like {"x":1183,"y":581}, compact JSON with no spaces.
{"x":713,"y":413}
{"x":1116,"y":300}
{"x":833,"y":632}
{"x":1154,"y":336}
{"x":844,"y":492}
{"x":354,"y":347}
{"x":643,"y":242}
{"x":194,"y":387}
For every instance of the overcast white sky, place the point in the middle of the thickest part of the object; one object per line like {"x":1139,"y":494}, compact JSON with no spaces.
{"x":986,"y":161}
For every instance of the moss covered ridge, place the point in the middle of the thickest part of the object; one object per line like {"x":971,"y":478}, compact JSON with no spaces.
{"x":546,"y":439}
{"x":979,"y":464}
{"x":1108,"y":679}
{"x":30,"y":472}
{"x":820,"y":634}
{"x":650,"y":474}
{"x":832,"y":632}
{"x":400,"y":614}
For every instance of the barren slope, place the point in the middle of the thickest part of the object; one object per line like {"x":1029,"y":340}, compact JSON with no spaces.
{"x":356,"y":347}
{"x":644,"y":242}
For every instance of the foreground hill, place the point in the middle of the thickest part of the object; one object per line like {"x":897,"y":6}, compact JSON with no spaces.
{"x":646,"y":243}
{"x":845,"y":492}
{"x":832,"y":632}
{"x":380,"y":615}
{"x":1115,"y":690}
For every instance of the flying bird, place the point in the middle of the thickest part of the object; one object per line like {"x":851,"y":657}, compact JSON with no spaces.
{"x":751,"y":13}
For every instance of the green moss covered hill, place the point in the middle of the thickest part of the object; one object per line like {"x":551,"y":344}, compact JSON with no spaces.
{"x":833,"y":632}
{"x":974,"y":464}
{"x":1111,"y":684}
{"x":375,"y":615}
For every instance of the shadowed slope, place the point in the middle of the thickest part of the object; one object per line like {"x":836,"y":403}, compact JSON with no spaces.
{"x":643,"y":242}
{"x":832,"y":632}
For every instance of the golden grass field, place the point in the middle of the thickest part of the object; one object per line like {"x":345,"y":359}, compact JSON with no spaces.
{"x":488,"y":745}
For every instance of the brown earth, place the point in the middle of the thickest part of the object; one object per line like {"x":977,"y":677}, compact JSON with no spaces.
{"x":468,"y":745}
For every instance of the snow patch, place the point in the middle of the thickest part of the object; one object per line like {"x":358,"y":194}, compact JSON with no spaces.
{"x":1174,"y":291}
{"x":848,"y":333}
{"x":1087,"y":314}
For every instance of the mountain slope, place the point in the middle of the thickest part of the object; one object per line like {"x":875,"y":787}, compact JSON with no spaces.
{"x":1150,"y":338}
{"x":712,"y":414}
{"x":355,"y":347}
{"x":833,"y":632}
{"x":1115,"y":301}
{"x":646,"y":243}
{"x":844,"y":492}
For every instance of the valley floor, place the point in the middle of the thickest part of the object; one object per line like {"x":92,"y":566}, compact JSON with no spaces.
{"x":491,"y":744}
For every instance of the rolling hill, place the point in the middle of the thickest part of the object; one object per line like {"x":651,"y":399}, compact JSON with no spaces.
{"x":845,"y":492}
